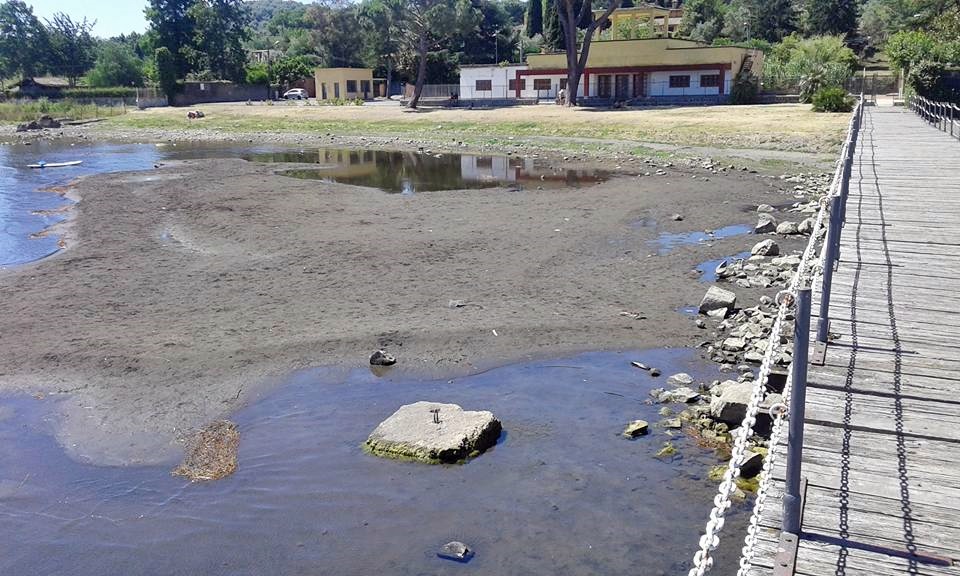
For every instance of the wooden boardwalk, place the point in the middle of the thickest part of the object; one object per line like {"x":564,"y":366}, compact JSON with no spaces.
{"x":881,"y":446}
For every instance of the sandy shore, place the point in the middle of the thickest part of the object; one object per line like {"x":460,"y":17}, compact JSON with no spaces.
{"x":188,"y":290}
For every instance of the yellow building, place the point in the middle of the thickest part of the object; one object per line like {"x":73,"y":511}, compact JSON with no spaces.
{"x":640,"y":21}
{"x":626,"y":69}
{"x":346,"y":83}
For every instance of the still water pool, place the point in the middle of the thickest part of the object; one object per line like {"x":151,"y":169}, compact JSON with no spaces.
{"x":562,"y":492}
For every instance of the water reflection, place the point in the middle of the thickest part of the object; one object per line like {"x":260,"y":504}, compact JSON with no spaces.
{"x":408,"y":172}
{"x":668,"y":241}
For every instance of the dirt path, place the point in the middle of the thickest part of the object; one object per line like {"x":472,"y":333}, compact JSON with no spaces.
{"x":188,"y":290}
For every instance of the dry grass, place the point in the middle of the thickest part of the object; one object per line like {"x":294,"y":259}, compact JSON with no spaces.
{"x":211,"y":453}
{"x":781,"y":126}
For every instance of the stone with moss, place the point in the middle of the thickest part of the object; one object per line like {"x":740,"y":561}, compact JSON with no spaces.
{"x":636,"y":428}
{"x":434,"y":433}
{"x":668,"y":451}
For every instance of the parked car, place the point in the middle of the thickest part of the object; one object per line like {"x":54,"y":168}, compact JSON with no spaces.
{"x":295,"y":94}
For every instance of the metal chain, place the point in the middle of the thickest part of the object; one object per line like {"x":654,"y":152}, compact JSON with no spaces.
{"x":702,"y":559}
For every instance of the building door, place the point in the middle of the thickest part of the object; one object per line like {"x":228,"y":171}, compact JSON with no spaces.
{"x":323,"y":90}
{"x":604,"y":86}
{"x":622,"y":85}
{"x":639,"y":85}
{"x":336,"y":89}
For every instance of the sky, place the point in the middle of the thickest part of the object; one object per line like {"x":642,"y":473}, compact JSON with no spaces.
{"x":113,"y":16}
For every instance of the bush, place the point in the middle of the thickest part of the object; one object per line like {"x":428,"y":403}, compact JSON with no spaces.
{"x":744,"y":88}
{"x":924,"y":78}
{"x":106,"y":92}
{"x":832,"y":100}
{"x":257,"y":74}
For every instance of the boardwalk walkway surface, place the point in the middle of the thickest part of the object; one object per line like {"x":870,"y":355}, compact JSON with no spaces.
{"x":881,"y":449}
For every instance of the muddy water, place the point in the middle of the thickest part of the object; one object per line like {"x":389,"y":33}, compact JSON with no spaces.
{"x":562,"y":493}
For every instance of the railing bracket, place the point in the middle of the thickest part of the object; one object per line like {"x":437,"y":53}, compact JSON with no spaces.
{"x":819,"y":355}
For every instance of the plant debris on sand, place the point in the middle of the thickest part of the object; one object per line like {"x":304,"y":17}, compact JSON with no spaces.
{"x":211,"y":453}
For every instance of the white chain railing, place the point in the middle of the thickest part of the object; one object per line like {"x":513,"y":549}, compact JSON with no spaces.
{"x":804,"y":276}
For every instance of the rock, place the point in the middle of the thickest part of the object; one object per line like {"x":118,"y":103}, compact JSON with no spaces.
{"x":787,"y":228}
{"x":718,"y":314}
{"x":752,"y":464}
{"x":677,"y":217}
{"x":211,"y":453}
{"x":668,"y":451}
{"x":765,"y":223}
{"x":640,"y":365}
{"x":729,"y":405}
{"x":433,"y":432}
{"x":46,"y":121}
{"x":381,"y":358}
{"x":734,"y":344}
{"x":457,"y":551}
{"x":764,"y":208}
{"x":636,"y":428}
{"x":805,"y":226}
{"x":672,"y":423}
{"x":654,"y":372}
{"x":765,"y":248}
{"x":681,"y":395}
{"x":680,"y":379}
{"x":717,"y":298}
{"x":753,"y":356}
{"x":700,"y":323}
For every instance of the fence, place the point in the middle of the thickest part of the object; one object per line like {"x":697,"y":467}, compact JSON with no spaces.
{"x":943,"y":115}
{"x":795,"y":299}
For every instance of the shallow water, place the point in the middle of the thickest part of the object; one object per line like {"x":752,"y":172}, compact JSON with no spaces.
{"x":669,"y":241}
{"x":562,"y":493}
{"x":410,"y":172}
{"x":26,"y":211}
{"x":708,"y":269}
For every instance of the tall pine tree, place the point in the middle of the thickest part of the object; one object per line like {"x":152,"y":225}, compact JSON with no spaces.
{"x":771,"y":20}
{"x":534,"y":18}
{"x":831,"y":16}
{"x":552,"y":31}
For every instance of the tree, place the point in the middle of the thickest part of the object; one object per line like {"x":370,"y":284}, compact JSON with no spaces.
{"x":116,"y":65}
{"x":830,"y":17}
{"x":430,"y":22}
{"x":552,"y":29}
{"x":220,"y":28}
{"x":257,"y":74}
{"x":570,"y":16}
{"x":382,"y":23}
{"x":904,"y":49}
{"x":702,"y":19}
{"x":292,"y":68}
{"x":771,"y":20}
{"x":72,"y":49}
{"x":172,"y":27}
{"x":23,"y":40}
{"x":166,"y":72}
{"x":736,"y":22}
{"x":534,"y":24}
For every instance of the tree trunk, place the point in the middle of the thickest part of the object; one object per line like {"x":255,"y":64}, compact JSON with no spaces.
{"x":386,"y":91}
{"x":421,"y":70}
{"x":576,"y":63}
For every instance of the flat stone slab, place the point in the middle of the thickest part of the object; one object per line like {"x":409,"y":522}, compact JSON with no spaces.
{"x":434,"y":433}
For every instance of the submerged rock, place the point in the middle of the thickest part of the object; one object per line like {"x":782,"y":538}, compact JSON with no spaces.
{"x":636,"y":428}
{"x":455,"y":551}
{"x":434,"y":433}
{"x":680,"y":379}
{"x":211,"y":453}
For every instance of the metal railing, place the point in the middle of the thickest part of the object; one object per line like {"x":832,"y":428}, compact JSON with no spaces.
{"x":944,"y":115}
{"x":796,"y":299}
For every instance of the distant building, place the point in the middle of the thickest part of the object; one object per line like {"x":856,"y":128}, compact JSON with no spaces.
{"x":646,"y":20}
{"x":347,"y":83}
{"x":263,"y":56}
{"x":620,"y":70}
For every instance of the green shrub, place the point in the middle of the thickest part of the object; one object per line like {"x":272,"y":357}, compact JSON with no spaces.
{"x":107,"y":92}
{"x":924,"y":78}
{"x":832,"y":100}
{"x":744,"y":88}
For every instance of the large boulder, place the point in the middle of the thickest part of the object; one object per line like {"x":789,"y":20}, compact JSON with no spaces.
{"x":787,"y":228}
{"x":434,"y":433}
{"x":730,"y":404}
{"x":765,"y":223}
{"x":716,"y":299}
{"x":765,"y":248}
{"x":680,"y":379}
{"x":47,"y":121}
{"x":806,"y":226}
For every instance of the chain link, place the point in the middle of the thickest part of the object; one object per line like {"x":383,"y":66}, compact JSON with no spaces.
{"x":808,"y":268}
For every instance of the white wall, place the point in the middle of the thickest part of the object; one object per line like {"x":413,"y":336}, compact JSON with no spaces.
{"x":499,"y":77}
{"x":658,"y":83}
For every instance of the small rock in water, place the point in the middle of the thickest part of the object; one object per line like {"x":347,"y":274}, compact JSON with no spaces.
{"x":654,"y":372}
{"x":381,"y":358}
{"x":765,"y":248}
{"x":640,"y":365}
{"x":457,"y":551}
{"x":672,"y":423}
{"x":636,"y":428}
{"x":434,"y":433}
{"x":752,"y":464}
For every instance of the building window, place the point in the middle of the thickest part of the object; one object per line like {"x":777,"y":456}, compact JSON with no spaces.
{"x":541,"y":83}
{"x":513,"y":84}
{"x":484,"y":85}
{"x":709,"y":80}
{"x":336,"y":89}
{"x":680,"y":81}
{"x":351,"y":86}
